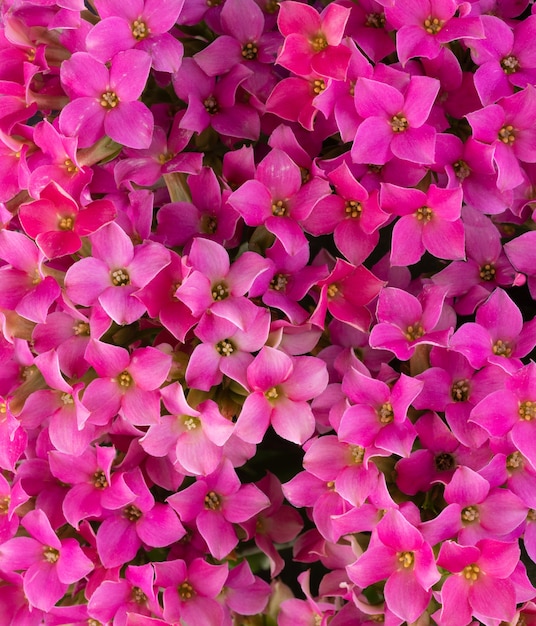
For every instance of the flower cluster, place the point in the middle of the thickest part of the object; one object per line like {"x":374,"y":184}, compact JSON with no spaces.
{"x":267,"y":276}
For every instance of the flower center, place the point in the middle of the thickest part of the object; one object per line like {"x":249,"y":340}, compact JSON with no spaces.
{"x":531,"y":515}
{"x":67,"y":399}
{"x":124,"y":379}
{"x":406,"y":559}
{"x":507,"y":134}
{"x":502,"y":348}
{"x":358,"y":454}
{"x":399,"y":123}
{"x":250,"y":51}
{"x":139,"y":30}
{"x":510,"y":64}
{"x":514,"y":460}
{"x":470,"y":514}
{"x":385,"y":413}
{"x":132,"y":513}
{"x":99,"y":480}
{"x":50,"y":554}
{"x":279,"y":282}
{"x":120,"y":277}
{"x":4,"y":504}
{"x":433,"y":25}
{"x":471,"y":572}
{"x":319,"y":42}
{"x":318,"y":86}
{"x":527,"y":410}
{"x":424,"y":214}
{"x":70,"y":166}
{"x":66,"y":223}
{"x":209,"y":224}
{"x":414,"y":332}
{"x":353,"y":208}
{"x":459,"y":391}
{"x":81,"y":329}
{"x":212,"y":501}
{"x":211,"y":105}
{"x":487,"y":272}
{"x":375,"y":20}
{"x":225,"y":347}
{"x":272,"y":394}
{"x":138,"y":596}
{"x":279,"y":208}
{"x":186,"y":591}
{"x":220,"y":291}
{"x":333,"y":290}
{"x":444,"y":462}
{"x":190,"y":422}
{"x":461,"y":169}
{"x":109,"y":100}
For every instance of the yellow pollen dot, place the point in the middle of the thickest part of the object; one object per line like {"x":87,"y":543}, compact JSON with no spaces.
{"x":330,"y":485}
{"x":279,"y":282}
{"x":109,"y":100}
{"x":164,"y":157}
{"x":212,"y":501}
{"x":272,"y":394}
{"x":211,"y":105}
{"x":93,"y":622}
{"x":386,"y":413}
{"x":4,"y":504}
{"x":225,"y":347}
{"x":124,"y":379}
{"x":30,"y":54}
{"x":220,"y":291}
{"x":186,"y":591}
{"x":120,"y":277}
{"x":406,"y":559}
{"x":132,"y":513}
{"x":70,"y":166}
{"x":414,"y":332}
{"x":507,"y":134}
{"x":36,"y":277}
{"x":510,"y":64}
{"x":375,"y":20}
{"x":250,"y":51}
{"x":138,"y":596}
{"x":51,"y":555}
{"x":317,"y":620}
{"x":459,"y":391}
{"x":527,"y":410}
{"x":81,"y":329}
{"x":3,"y":407}
{"x":333,"y":290}
{"x":318,"y":86}
{"x":487,"y":272}
{"x":353,"y":208}
{"x":461,"y":169}
{"x":433,"y":25}
{"x":471,"y":572}
{"x":514,"y":460}
{"x":502,"y":348}
{"x":99,"y":480}
{"x":358,"y":454}
{"x":139,"y":30}
{"x":67,"y":398}
{"x":399,"y":123}
{"x":66,"y":223}
{"x":424,"y":214}
{"x":319,"y":42}
{"x":470,"y":514}
{"x":190,"y":422}
{"x":279,"y":208}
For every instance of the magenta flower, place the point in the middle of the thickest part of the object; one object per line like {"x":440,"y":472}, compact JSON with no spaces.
{"x":313,"y":41}
{"x":49,"y":565}
{"x":114,"y":272}
{"x":521,"y":252}
{"x":128,"y":383}
{"x":394,"y":122}
{"x":215,"y":503}
{"x":280,"y":389}
{"x":57,"y":224}
{"x":142,"y":522}
{"x":105,"y":101}
{"x":397,"y":552}
{"x":480,"y":584}
{"x":429,"y":221}
{"x":404,"y":321}
{"x":142,"y":25}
